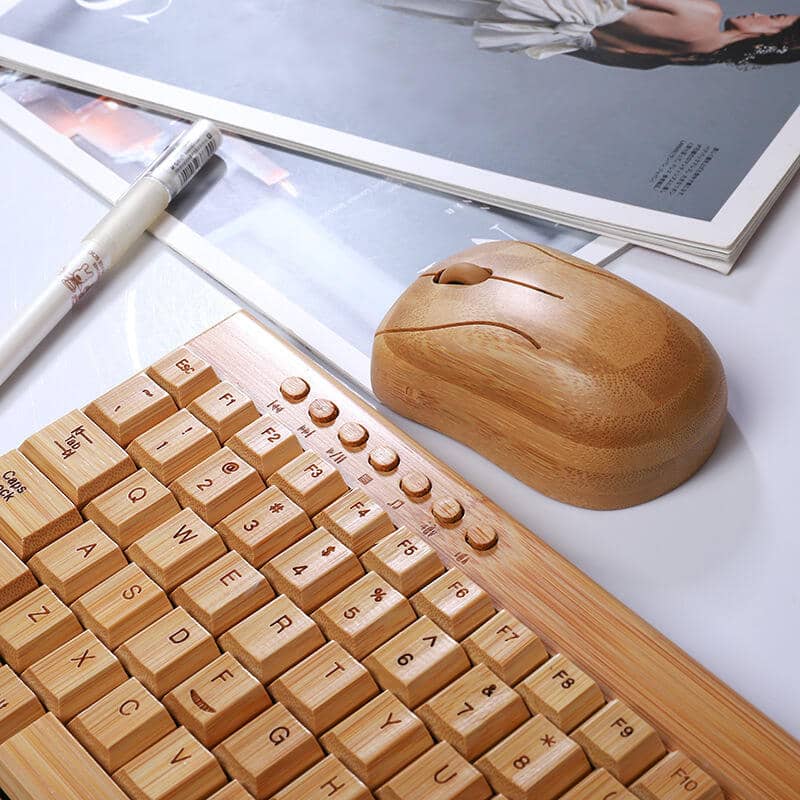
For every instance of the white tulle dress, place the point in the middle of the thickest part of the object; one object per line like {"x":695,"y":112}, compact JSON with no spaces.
{"x":540,"y":28}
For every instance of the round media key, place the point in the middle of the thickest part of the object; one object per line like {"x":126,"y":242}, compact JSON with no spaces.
{"x":447,"y":510}
{"x":481,"y":537}
{"x":384,"y":459}
{"x":415,"y":484}
{"x":351,"y":434}
{"x":323,"y":412}
{"x":294,"y":389}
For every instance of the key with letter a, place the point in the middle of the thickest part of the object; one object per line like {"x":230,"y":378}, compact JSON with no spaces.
{"x":45,"y":761}
{"x":78,"y":561}
{"x":378,"y":740}
{"x":269,"y":752}
{"x":33,"y":627}
{"x":78,"y":456}
{"x":176,"y":768}
{"x":329,"y":778}
{"x":439,"y":774}
{"x":536,"y":762}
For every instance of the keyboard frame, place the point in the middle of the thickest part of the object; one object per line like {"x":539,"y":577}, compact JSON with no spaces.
{"x":749,"y":755}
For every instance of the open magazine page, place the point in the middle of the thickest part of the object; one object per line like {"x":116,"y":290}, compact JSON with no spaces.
{"x":339,"y":243}
{"x":643,"y":118}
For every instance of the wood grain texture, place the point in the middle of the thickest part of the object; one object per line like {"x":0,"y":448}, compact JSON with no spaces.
{"x":574,"y":380}
{"x":751,"y":757}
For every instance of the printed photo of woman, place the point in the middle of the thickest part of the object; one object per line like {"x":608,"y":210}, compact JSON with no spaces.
{"x":641,"y":35}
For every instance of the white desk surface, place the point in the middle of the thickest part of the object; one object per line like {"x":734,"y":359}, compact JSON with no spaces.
{"x":714,"y":564}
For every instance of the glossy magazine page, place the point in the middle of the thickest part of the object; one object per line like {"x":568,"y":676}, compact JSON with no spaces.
{"x":571,"y":109}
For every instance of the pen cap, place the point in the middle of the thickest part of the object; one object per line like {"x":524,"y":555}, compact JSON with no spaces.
{"x":182,"y":159}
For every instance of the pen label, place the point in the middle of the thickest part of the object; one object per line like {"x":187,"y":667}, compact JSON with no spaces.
{"x":80,"y":273}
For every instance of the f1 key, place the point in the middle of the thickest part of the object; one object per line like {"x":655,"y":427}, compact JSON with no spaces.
{"x":78,"y":456}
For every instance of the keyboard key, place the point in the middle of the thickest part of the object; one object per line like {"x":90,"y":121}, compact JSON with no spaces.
{"x":131,"y":408}
{"x":378,"y":740}
{"x":311,"y":481}
{"x":455,"y":603}
{"x":326,"y":779}
{"x":509,"y":648}
{"x":536,"y":762}
{"x":33,"y":627}
{"x":176,"y":768}
{"x":266,"y":445}
{"x":225,"y":409}
{"x":19,"y":706}
{"x":233,"y":791}
{"x":184,"y":375}
{"x":78,"y":457}
{"x":418,"y":662}
{"x":269,"y":752}
{"x":563,"y":693}
{"x":365,"y":615}
{"x":78,"y":561}
{"x":598,"y":784}
{"x":173,"y":446}
{"x":167,"y":652}
{"x":121,"y":606}
{"x":405,"y":560}
{"x":324,"y":688}
{"x":75,"y":675}
{"x":132,"y":508}
{"x":177,"y":549}
{"x":474,"y":712}
{"x":218,"y":700}
{"x":674,"y":778}
{"x":356,"y":520}
{"x":224,"y":593}
{"x":440,"y":774}
{"x":16,"y":579}
{"x":265,"y":526}
{"x":217,"y":486}
{"x":619,"y":740}
{"x":273,"y":639}
{"x":314,"y":570}
{"x":45,"y":761}
{"x":121,"y":725}
{"x":33,"y":512}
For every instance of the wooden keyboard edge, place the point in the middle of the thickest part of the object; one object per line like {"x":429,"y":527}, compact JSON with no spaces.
{"x":749,"y":755}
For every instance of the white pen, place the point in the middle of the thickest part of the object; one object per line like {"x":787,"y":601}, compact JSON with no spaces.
{"x":104,"y":246}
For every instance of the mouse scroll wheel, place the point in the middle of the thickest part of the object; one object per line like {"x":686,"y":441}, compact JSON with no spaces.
{"x":464,"y":274}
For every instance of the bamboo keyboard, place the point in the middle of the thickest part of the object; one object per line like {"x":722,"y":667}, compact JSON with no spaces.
{"x":230,"y":578}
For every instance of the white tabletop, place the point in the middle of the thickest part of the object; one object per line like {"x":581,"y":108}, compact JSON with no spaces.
{"x":714,"y":564}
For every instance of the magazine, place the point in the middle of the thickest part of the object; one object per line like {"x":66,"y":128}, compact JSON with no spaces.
{"x":669,"y":123}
